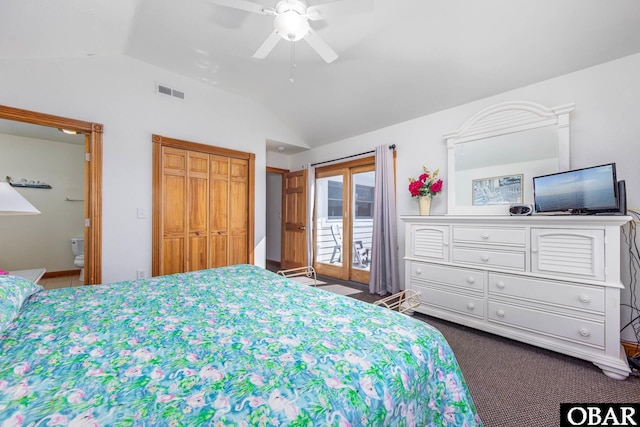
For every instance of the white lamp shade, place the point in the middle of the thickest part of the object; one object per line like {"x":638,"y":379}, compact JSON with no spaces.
{"x":12,"y":202}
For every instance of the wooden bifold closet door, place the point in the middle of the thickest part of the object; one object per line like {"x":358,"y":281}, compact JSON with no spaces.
{"x":202,"y":206}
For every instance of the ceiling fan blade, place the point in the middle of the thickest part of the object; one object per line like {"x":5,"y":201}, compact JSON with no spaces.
{"x":320,"y":46}
{"x":268,"y":45}
{"x":244,"y":5}
{"x":339,"y":7}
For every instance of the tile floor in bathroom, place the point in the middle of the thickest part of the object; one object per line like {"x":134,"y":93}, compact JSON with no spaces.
{"x":61,"y":282}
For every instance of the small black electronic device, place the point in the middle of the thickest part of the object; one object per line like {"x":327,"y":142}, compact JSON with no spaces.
{"x":622,"y":197}
{"x":515,"y":210}
{"x":588,"y":191}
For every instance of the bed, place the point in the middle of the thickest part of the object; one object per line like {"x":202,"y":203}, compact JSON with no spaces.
{"x":232,"y":346}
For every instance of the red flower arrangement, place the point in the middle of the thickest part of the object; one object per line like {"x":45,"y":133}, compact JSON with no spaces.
{"x":427,"y":184}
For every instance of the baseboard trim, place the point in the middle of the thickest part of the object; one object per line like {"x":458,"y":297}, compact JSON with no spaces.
{"x":64,"y":273}
{"x":631,"y":348}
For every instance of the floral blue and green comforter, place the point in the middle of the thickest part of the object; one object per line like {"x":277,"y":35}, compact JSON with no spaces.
{"x":233,"y":346}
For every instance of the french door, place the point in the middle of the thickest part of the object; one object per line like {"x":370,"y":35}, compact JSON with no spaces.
{"x":344,"y":220}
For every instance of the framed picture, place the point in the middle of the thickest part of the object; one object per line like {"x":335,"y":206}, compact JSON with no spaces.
{"x":499,"y":190}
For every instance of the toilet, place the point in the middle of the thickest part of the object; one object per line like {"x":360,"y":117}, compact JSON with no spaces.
{"x":77,"y":247}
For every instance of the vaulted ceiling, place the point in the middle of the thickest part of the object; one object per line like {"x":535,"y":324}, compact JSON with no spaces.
{"x":400,"y":60}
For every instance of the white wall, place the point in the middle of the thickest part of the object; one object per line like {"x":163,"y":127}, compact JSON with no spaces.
{"x":604,"y":128}
{"x":43,"y":240}
{"x":119,"y":92}
{"x":278,"y":160}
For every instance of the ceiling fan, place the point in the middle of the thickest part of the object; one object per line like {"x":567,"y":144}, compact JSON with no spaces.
{"x":292,"y":21}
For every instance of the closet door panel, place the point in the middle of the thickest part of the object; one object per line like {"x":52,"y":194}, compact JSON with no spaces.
{"x":198,"y":250}
{"x":174,"y":206}
{"x":173,"y":255}
{"x":238,"y":211}
{"x":238,"y":249}
{"x":238,"y":207}
{"x":219,"y":210}
{"x":198,"y":211}
{"x":219,"y":253}
{"x":198,"y":192}
{"x":174,"y":164}
{"x":174,"y":179}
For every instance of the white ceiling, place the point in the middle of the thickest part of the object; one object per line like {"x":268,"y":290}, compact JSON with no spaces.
{"x":46,"y":133}
{"x":405,"y":59}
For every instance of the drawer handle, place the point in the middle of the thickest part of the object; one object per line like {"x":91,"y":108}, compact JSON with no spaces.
{"x":418,"y":271}
{"x":500,"y":285}
{"x":484,"y":258}
{"x":500,"y":313}
{"x":585,"y":299}
{"x":585,"y":332}
{"x":471,"y":279}
{"x":485,"y":236}
{"x":470,"y":306}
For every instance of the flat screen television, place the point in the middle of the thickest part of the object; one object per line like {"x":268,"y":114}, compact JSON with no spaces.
{"x":581,"y":191}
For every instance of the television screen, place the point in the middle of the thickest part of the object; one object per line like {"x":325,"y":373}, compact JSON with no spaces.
{"x":588,"y":190}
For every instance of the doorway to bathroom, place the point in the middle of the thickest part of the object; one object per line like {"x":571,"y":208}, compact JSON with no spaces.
{"x":90,"y":189}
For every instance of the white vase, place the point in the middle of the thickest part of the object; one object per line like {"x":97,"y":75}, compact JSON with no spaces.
{"x":425,"y":205}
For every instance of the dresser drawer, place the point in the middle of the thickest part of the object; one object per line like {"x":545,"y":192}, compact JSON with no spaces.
{"x":465,"y":278}
{"x":575,"y":296}
{"x":503,"y":259}
{"x":578,"y":330}
{"x":490,"y":235}
{"x":463,"y":304}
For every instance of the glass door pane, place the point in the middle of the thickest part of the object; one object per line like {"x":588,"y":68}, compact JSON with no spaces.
{"x":362,"y":191}
{"x":329,"y":225}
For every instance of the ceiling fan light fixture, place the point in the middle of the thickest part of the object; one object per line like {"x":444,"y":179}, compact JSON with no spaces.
{"x":291,"y":25}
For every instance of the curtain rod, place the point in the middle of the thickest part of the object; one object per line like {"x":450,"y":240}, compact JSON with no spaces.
{"x":391,"y":147}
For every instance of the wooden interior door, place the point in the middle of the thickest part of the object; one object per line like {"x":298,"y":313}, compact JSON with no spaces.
{"x":294,"y":213}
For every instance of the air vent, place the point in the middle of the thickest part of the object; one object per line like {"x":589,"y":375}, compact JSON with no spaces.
{"x":166,"y":90}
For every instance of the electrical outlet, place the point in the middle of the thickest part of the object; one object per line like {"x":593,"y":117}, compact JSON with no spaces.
{"x":141,"y":273}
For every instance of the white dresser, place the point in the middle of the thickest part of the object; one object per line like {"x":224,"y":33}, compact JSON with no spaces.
{"x":549,"y":281}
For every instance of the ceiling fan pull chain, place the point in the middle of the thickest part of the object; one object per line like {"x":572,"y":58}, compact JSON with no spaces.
{"x":293,"y":59}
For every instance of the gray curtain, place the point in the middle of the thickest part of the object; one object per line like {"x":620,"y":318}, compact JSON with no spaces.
{"x":384,"y":276}
{"x":311,"y":197}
